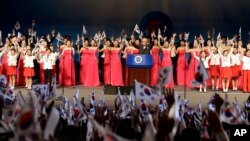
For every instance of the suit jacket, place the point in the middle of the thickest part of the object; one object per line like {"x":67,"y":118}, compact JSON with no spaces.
{"x":144,"y":49}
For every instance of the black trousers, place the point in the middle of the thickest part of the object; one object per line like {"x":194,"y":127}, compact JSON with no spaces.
{"x":48,"y":75}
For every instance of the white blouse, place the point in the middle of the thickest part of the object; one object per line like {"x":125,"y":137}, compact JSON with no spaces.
{"x":29,"y":61}
{"x":215,"y":59}
{"x":246,"y":63}
{"x":12,"y":60}
{"x":47,"y":61}
{"x":235,"y":59}
{"x":205,"y":61}
{"x":226,"y":60}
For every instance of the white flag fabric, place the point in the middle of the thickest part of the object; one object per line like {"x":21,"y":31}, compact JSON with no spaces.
{"x":3,"y":80}
{"x":137,"y":29}
{"x":51,"y":123}
{"x":144,"y":92}
{"x":89,"y":131}
{"x":159,"y":33}
{"x":219,"y":36}
{"x":19,"y":35}
{"x":202,"y":39}
{"x":42,"y":90}
{"x":96,"y":37}
{"x":165,"y":28}
{"x":141,"y":35}
{"x":239,"y":111}
{"x":84,"y":31}
{"x":54,"y":88}
{"x":33,"y":23}
{"x":1,"y":38}
{"x":186,"y":36}
{"x":77,"y":39}
{"x":228,"y":114}
{"x":58,"y":37}
{"x":103,"y":35}
{"x":165,"y":75}
{"x":132,"y":98}
{"x":17,"y":26}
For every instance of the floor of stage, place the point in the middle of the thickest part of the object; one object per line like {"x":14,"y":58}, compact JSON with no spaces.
{"x":193,"y":96}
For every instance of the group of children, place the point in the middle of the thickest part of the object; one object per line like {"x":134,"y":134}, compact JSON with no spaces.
{"x":27,"y":56}
{"x":228,"y":63}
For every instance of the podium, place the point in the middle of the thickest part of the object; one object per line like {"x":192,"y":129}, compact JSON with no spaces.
{"x":139,"y":68}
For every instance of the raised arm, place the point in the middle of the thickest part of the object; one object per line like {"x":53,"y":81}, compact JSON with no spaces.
{"x":195,"y":56}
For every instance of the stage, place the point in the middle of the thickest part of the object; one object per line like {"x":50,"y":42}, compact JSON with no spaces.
{"x":194,"y":96}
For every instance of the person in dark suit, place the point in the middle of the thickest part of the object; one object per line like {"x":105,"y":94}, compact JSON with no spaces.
{"x":144,"y":48}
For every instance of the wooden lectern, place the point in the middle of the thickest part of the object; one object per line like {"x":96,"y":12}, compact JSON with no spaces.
{"x":139,"y":68}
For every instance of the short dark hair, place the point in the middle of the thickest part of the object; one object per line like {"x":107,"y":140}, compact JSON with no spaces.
{"x":48,"y":49}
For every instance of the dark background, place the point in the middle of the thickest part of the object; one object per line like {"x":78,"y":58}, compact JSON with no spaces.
{"x":68,"y":16}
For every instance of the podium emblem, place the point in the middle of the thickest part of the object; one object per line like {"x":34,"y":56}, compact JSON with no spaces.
{"x":138,"y":59}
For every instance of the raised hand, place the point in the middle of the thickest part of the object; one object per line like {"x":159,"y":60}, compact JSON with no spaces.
{"x":218,"y":101}
{"x":169,"y":96}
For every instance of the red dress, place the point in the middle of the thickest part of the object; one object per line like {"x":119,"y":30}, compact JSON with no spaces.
{"x":156,"y":65}
{"x":106,"y":67}
{"x":83,"y":66}
{"x":129,"y":51}
{"x":41,"y":70}
{"x":20,"y":76}
{"x":4,"y":65}
{"x":116,"y":68}
{"x":166,"y":62}
{"x":182,"y":66}
{"x":192,"y":68}
{"x":92,"y":72}
{"x":67,"y":68}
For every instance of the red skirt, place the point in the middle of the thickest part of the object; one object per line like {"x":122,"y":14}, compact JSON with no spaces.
{"x":54,"y":70}
{"x":215,"y":70}
{"x":226,"y":72}
{"x":29,"y":72}
{"x":236,"y":71}
{"x":11,"y":70}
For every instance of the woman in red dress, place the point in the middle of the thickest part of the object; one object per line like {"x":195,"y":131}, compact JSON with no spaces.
{"x":246,"y":70}
{"x":92,"y":71}
{"x":67,"y":66}
{"x":116,"y":78}
{"x":42,"y":52}
{"x":156,"y":62}
{"x":106,"y":62}
{"x":84,"y":61}
{"x":7,"y":48}
{"x":130,"y":49}
{"x":20,"y":77}
{"x":193,"y":63}
{"x":182,"y":64}
{"x":166,"y":60}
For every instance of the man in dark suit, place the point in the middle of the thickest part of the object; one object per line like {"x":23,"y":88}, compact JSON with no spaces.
{"x":144,"y":48}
